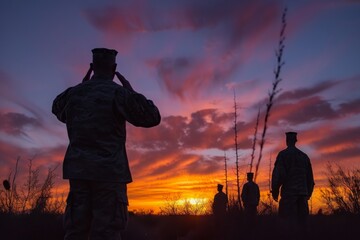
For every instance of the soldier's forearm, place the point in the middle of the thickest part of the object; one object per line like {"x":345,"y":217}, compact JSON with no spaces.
{"x":126,"y":84}
{"x":88,"y":74}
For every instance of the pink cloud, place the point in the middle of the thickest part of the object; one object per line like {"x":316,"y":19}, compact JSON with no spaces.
{"x":306,"y":111}
{"x":306,"y":105}
{"x":300,"y":93}
{"x":350,"y":107}
{"x":347,"y":137}
{"x":235,"y":26}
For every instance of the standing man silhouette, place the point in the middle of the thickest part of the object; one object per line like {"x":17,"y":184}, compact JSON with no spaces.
{"x":293,"y":174}
{"x":250,"y":196}
{"x":219,"y":208}
{"x":95,"y":112}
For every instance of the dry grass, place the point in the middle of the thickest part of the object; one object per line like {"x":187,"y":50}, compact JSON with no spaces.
{"x":154,"y":227}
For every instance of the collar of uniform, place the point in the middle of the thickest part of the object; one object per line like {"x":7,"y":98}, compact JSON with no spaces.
{"x":103,"y":78}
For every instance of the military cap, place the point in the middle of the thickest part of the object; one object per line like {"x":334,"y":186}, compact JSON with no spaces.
{"x":250,"y":174}
{"x":104,"y":55}
{"x":291,"y":135}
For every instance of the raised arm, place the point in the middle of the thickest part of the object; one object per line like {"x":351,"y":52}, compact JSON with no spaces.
{"x":135,"y":107}
{"x":59,"y":104}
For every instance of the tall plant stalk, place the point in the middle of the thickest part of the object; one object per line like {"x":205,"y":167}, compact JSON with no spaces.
{"x":269,"y":174}
{"x":254,"y":141}
{"x":274,"y":90}
{"x":236,"y":153}
{"x":226,"y":174}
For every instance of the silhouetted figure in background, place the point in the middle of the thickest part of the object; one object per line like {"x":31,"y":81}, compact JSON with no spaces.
{"x":250,"y":195}
{"x":220,"y":203}
{"x":95,"y":112}
{"x":219,"y":208}
{"x":293,"y":174}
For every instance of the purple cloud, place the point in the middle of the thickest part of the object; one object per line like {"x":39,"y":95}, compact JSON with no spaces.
{"x":350,"y":107}
{"x":231,"y":29}
{"x":14,"y":123}
{"x":308,"y":92}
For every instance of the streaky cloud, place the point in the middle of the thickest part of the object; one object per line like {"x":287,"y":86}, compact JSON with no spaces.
{"x":14,"y":123}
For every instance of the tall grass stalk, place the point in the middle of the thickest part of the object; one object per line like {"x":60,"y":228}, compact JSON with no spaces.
{"x":236,"y":153}
{"x":226,"y":174}
{"x":274,"y":90}
{"x":254,"y":141}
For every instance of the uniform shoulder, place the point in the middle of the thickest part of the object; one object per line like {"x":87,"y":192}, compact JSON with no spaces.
{"x":300,"y":152}
{"x":253,"y":183}
{"x":282,"y":153}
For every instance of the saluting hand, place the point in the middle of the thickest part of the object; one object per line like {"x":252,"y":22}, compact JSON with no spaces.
{"x":88,"y":74}
{"x":126,"y":84}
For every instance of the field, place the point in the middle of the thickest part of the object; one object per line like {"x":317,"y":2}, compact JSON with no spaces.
{"x":154,"y":227}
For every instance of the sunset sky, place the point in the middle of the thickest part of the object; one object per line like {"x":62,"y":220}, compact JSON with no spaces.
{"x":189,"y":57}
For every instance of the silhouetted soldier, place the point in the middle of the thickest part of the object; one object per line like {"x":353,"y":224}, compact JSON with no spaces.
{"x":219,"y":208}
{"x":250,"y":195}
{"x":95,"y":112}
{"x":293,"y":173}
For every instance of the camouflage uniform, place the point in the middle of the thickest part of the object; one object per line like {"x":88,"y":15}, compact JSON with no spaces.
{"x":95,"y":162}
{"x":99,"y":206}
{"x":293,"y":173}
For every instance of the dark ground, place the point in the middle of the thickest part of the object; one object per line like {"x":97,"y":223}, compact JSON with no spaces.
{"x":153,"y":227}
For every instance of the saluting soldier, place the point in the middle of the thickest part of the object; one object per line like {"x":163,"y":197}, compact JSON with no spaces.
{"x":95,"y":113}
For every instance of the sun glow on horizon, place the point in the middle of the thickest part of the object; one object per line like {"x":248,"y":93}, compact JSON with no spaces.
{"x":193,"y":201}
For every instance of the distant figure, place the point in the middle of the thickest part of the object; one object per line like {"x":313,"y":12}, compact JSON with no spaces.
{"x":95,"y":112}
{"x":219,"y":208}
{"x":220,"y":202}
{"x":293,"y":173}
{"x":250,"y":195}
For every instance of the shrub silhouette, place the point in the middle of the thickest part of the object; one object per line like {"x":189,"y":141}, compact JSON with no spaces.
{"x":33,"y":196}
{"x":343,"y":192}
